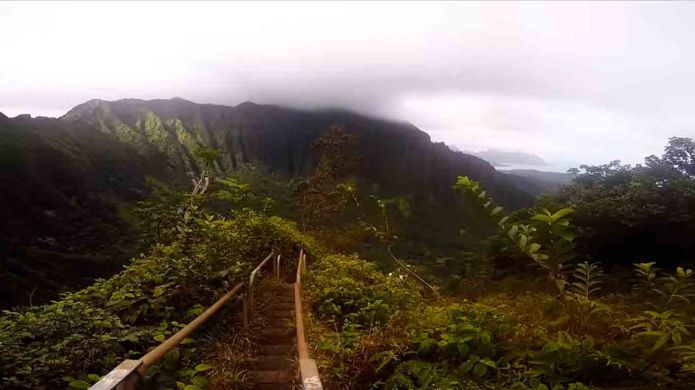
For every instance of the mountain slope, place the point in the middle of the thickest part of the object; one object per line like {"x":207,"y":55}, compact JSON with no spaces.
{"x":68,"y":181}
{"x":399,"y":157}
{"x":541,"y":182}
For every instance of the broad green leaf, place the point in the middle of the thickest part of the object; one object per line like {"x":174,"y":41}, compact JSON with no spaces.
{"x":541,"y":218}
{"x":561,"y":213}
{"x":479,"y":370}
{"x":489,"y":363}
{"x":203,"y":367}
{"x":79,"y":384}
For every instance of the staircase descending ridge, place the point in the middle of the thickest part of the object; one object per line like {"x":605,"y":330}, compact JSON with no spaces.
{"x":276,"y":366}
{"x":278,"y":346}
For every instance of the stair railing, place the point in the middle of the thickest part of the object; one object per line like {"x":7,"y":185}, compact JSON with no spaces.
{"x":252,"y":278}
{"x":127,"y":374}
{"x":308,"y":372}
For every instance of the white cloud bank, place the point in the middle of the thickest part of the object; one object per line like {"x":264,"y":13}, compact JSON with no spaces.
{"x":571,"y":82}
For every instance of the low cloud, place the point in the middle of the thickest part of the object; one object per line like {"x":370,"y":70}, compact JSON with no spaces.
{"x":570,"y":82}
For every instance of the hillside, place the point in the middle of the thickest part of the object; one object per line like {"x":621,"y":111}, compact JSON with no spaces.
{"x":69,"y":182}
{"x":540,"y":182}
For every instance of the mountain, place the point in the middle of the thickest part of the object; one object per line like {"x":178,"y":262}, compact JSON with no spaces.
{"x":502,"y":157}
{"x":541,"y":182}
{"x":68,"y":183}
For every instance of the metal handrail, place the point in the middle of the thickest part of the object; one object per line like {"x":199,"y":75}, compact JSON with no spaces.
{"x":126,"y":375}
{"x":158,"y":353}
{"x":129,"y":372}
{"x":308,"y":372}
{"x":252,"y":278}
{"x":277,"y":267}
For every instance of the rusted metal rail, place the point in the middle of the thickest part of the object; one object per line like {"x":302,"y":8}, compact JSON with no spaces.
{"x":252,"y":278}
{"x":127,"y":374}
{"x":308,"y":372}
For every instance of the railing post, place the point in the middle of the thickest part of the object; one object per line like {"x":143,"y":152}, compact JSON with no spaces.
{"x":251,"y":280}
{"x":308,"y":372}
{"x":277,"y":268}
{"x":129,"y":382}
{"x":244,"y":312}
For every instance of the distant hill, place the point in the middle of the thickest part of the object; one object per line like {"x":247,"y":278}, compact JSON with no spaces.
{"x":541,"y":182}
{"x":68,"y":182}
{"x":502,"y":157}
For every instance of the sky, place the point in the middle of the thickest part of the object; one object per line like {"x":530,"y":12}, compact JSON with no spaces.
{"x":572,"y":83}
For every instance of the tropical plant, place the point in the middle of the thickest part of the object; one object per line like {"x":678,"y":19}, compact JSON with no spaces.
{"x":546,"y":239}
{"x":587,"y":279}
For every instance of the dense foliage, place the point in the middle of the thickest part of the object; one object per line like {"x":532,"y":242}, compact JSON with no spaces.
{"x":196,"y":256}
{"x":627,"y":214}
{"x":543,"y":314}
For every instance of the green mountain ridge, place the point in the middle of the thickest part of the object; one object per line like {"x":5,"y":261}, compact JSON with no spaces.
{"x":69,"y":181}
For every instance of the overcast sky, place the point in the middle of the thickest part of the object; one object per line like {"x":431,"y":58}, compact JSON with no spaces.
{"x":570,"y":82}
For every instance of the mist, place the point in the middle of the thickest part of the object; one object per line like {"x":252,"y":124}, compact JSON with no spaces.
{"x":569,"y":82}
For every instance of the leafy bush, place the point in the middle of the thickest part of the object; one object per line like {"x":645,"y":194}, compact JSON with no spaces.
{"x":347,"y":289}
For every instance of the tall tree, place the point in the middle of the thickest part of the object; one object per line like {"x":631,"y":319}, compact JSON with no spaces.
{"x":326,"y":193}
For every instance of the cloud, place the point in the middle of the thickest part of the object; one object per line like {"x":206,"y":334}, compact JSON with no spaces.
{"x":572,"y":82}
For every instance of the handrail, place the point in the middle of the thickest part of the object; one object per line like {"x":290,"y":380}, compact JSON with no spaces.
{"x":308,"y":372}
{"x":277,"y":267}
{"x":158,"y":353}
{"x":252,"y":278}
{"x":129,"y":372}
{"x":126,"y":375}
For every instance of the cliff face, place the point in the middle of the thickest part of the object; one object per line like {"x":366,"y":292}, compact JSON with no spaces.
{"x":399,"y":158}
{"x":66,"y":182}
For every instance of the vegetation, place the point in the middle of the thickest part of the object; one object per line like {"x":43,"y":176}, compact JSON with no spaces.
{"x":591,"y":288}
{"x":544,"y":317}
{"x":194,"y":257}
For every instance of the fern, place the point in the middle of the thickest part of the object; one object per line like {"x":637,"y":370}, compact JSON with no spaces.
{"x":587,"y":279}
{"x":671,"y":291}
{"x":645,"y":279}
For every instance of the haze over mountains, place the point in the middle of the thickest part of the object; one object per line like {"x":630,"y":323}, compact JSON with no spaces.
{"x":68,"y":182}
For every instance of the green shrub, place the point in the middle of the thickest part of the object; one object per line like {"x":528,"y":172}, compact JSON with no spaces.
{"x":347,"y":289}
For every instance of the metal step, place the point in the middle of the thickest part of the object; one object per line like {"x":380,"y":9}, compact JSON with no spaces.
{"x":277,"y":349}
{"x":274,"y":363}
{"x":272,"y":376}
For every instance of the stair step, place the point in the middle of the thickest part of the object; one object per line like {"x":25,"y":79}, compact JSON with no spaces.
{"x":277,"y":349}
{"x":278,"y":322}
{"x":282,"y":305}
{"x":271,"y":386}
{"x":275,"y":334}
{"x":272,"y":376}
{"x":289,"y":314}
{"x":274,"y":363}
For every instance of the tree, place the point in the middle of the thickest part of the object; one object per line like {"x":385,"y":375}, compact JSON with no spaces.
{"x":679,"y":156}
{"x":325,"y":194}
{"x":627,"y":214}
